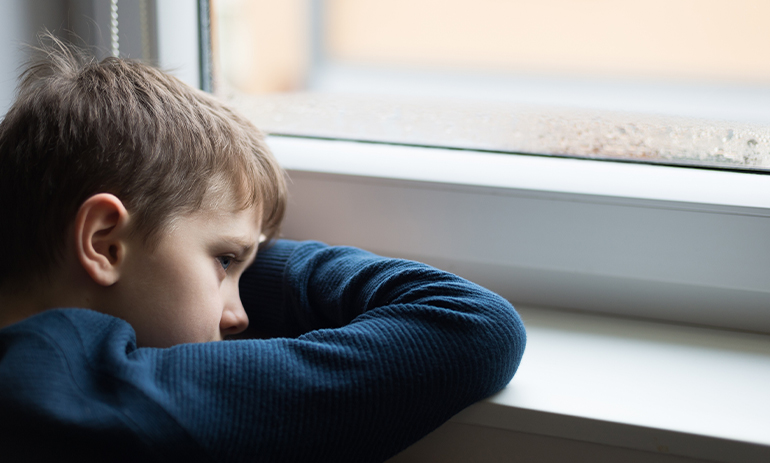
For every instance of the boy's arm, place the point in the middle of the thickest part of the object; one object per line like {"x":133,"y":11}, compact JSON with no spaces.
{"x":295,"y":287}
{"x":387,"y":351}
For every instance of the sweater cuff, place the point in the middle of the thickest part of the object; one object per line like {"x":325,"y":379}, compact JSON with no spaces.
{"x":261,"y":286}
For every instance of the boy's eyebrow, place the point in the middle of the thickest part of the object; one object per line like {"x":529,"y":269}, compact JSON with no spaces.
{"x":246,"y":244}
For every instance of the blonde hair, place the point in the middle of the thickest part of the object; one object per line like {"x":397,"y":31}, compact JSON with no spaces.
{"x":79,"y":127}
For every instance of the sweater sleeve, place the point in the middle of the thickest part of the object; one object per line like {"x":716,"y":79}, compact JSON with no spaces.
{"x":374,"y":353}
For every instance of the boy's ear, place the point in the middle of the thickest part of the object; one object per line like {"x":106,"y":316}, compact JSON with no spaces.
{"x":101,"y":227}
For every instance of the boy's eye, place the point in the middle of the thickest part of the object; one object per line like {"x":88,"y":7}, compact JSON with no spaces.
{"x":225,"y":261}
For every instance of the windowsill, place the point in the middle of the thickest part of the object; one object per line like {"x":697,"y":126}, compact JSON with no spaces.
{"x":671,"y":389}
{"x":633,"y":240}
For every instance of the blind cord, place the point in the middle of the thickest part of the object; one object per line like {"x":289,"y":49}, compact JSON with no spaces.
{"x":114,"y":40}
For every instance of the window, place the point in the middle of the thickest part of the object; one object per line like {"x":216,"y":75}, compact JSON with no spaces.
{"x":640,"y":240}
{"x":672,"y":243}
{"x":673,"y":82}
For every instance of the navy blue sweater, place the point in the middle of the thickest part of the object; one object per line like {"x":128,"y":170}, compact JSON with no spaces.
{"x":369,"y":354}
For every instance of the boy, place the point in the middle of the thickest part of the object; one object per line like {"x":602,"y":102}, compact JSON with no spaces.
{"x":133,"y":210}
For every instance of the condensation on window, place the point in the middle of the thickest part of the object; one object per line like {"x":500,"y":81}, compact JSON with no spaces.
{"x":511,"y":128}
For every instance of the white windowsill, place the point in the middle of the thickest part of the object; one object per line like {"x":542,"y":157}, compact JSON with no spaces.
{"x":534,"y":227}
{"x":669,"y":389}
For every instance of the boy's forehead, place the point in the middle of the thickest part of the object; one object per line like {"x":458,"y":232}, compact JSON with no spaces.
{"x":229,"y":217}
{"x":240,"y":227}
{"x":227,"y":194}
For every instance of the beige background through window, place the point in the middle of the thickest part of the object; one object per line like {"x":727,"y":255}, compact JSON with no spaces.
{"x":268,"y":44}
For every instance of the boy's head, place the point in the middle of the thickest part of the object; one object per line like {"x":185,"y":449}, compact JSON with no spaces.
{"x":124,"y":140}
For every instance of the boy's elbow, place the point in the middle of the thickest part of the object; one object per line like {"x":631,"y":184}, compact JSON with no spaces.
{"x":507,"y":338}
{"x":518,"y":340}
{"x":493,"y":335}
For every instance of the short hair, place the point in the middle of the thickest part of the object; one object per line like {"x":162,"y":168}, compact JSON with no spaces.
{"x":80,"y":127}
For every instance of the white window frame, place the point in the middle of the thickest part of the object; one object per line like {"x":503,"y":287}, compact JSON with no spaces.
{"x":179,"y":39}
{"x":679,"y":244}
{"x":175,"y":33}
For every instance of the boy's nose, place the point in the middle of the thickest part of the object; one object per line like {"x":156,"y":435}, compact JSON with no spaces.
{"x":234,"y":319}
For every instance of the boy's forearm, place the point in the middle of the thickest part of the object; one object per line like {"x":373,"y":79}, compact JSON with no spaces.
{"x":297,"y":287}
{"x":302,"y":286}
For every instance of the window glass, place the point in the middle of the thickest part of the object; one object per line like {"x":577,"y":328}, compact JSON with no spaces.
{"x":664,"y":81}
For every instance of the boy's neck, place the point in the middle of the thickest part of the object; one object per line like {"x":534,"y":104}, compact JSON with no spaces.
{"x":15,"y":308}
{"x":16,"y":305}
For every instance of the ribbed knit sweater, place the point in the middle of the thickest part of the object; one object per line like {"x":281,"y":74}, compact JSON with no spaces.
{"x":368,"y":355}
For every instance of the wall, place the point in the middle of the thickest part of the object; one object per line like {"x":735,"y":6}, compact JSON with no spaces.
{"x":19,"y":24}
